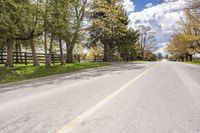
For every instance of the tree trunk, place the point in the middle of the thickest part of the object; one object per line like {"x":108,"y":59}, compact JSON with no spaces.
{"x":182,"y":59}
{"x":34,"y":54}
{"x":17,"y":52}
{"x":45,"y":33}
{"x":20,"y":53}
{"x":61,"y":52}
{"x":186,"y":57}
{"x":50,"y":51}
{"x":190,"y":56}
{"x":69,"y":54}
{"x":45,"y":48}
{"x":105,"y":59}
{"x":9,"y":60}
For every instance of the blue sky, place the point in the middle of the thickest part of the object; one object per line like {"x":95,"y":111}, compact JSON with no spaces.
{"x":140,"y":4}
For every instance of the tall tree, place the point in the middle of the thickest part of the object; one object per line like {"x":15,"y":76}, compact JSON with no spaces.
{"x":147,"y":40}
{"x":186,"y":42}
{"x":127,"y":44}
{"x":19,"y":22}
{"x":78,"y":14}
{"x":32,"y":26}
{"x":109,"y":22}
{"x":59,"y":25}
{"x":10,"y":14}
{"x":11,"y":22}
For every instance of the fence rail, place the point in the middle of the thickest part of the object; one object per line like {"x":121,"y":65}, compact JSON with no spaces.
{"x":27,"y":58}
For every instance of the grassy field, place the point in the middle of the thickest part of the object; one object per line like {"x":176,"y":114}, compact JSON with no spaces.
{"x":138,"y":61}
{"x":21,"y":72}
{"x":195,"y":62}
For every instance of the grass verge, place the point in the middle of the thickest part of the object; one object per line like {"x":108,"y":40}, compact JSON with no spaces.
{"x":19,"y":73}
{"x":195,"y":62}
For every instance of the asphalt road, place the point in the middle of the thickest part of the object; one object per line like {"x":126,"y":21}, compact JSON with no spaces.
{"x":158,"y":97}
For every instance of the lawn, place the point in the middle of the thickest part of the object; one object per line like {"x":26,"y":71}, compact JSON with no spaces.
{"x":137,"y":61}
{"x":195,"y":62}
{"x":21,"y":72}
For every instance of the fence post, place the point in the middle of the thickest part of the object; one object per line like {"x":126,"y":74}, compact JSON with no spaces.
{"x":25,"y":58}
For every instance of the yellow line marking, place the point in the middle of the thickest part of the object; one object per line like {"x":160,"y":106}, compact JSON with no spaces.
{"x":69,"y":126}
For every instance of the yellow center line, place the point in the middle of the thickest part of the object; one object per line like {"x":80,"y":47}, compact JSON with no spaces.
{"x":69,"y":126}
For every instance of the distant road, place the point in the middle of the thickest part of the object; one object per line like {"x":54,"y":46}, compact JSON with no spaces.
{"x":156,"y":97}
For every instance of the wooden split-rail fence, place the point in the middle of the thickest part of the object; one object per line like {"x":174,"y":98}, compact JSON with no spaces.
{"x":27,"y":57}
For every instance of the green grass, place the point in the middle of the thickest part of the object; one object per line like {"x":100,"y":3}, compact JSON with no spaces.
{"x":138,"y":61}
{"x":21,"y":72}
{"x":195,"y":62}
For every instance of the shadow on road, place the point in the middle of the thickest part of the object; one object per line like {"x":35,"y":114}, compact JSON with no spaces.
{"x":115,"y":68}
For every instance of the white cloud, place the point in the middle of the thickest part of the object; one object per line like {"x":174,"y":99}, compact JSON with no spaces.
{"x":162,"y":18}
{"x":128,"y":5}
{"x":149,"y":5}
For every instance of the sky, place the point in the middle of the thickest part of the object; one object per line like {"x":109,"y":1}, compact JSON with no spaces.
{"x":141,"y":4}
{"x":162,"y":17}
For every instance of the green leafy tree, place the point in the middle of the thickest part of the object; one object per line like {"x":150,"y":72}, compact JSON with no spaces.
{"x":127,"y":44}
{"x":20,"y":21}
{"x":32,"y":26}
{"x":74,"y":32}
{"x":58,"y":25}
{"x":10,"y":24}
{"x":186,"y":42}
{"x":109,"y":23}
